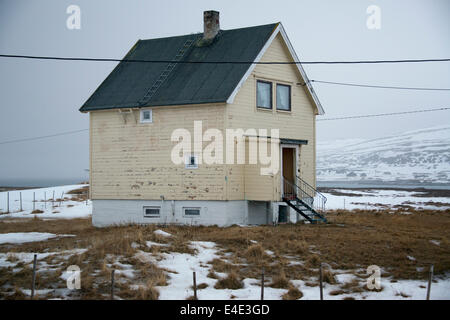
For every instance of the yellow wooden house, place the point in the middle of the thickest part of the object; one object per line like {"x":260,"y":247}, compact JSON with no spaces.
{"x":215,"y":81}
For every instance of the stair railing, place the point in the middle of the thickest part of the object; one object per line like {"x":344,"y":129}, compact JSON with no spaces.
{"x":319,"y":200}
{"x":304,"y":192}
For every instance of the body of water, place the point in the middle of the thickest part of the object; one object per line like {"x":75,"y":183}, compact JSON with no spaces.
{"x":42,"y":183}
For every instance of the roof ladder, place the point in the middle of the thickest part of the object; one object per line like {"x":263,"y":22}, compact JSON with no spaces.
{"x":166,"y":72}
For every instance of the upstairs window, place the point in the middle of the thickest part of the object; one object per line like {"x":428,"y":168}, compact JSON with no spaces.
{"x":146,"y":115}
{"x":283,"y":97}
{"x":264,"y":94}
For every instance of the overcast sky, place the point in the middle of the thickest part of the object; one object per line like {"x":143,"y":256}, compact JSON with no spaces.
{"x":43,"y":97}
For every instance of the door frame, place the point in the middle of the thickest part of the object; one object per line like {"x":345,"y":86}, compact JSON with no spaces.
{"x":296,"y":152}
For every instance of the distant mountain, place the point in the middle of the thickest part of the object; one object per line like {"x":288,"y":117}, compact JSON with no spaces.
{"x":421,"y":156}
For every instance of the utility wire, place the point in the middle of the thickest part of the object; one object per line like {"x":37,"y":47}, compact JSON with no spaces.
{"x":340,"y":118}
{"x":377,"y":86}
{"x":383,"y":114}
{"x":44,"y":137}
{"x":219,"y":62}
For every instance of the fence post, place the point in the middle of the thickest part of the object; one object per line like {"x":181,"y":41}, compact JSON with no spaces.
{"x":34,"y":201}
{"x":195,"y":286}
{"x":87,"y":197}
{"x":45,"y":200}
{"x":61,"y":200}
{"x":20,"y":195}
{"x":33,"y":283}
{"x":321,"y":281}
{"x":7,"y":202}
{"x":429,"y":281}
{"x":262,"y":283}
{"x":53,"y":199}
{"x":112,"y":284}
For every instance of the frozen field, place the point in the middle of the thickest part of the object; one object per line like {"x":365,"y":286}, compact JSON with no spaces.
{"x":158,"y":262}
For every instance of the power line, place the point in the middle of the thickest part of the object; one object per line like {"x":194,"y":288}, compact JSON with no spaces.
{"x":219,"y":62}
{"x":339,"y":118}
{"x":383,"y":114}
{"x":378,"y":86}
{"x":43,"y":137}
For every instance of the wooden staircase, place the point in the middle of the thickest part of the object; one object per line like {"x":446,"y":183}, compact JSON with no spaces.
{"x":305,"y":200}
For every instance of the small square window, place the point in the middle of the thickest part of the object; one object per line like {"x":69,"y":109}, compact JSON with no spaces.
{"x":146,"y":115}
{"x":264,"y":94}
{"x":152,"y":212}
{"x":283,"y":97}
{"x":191,"y":161}
{"x":191,"y":211}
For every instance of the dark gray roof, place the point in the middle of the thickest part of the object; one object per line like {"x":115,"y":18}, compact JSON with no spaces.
{"x":128,"y":83}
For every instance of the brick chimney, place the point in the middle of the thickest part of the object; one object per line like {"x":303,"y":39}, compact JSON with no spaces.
{"x":211,"y":25}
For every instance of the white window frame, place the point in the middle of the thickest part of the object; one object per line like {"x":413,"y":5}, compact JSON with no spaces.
{"x":270,"y":83}
{"x":192,"y":215}
{"x":142,"y":116}
{"x":289,"y":97}
{"x":152,"y":215}
{"x":187,"y":161}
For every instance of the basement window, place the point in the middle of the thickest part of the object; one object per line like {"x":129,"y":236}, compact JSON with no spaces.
{"x":152,"y":212}
{"x":191,"y":161}
{"x":146,"y":116}
{"x":191,"y":212}
{"x":283,"y":97}
{"x":264,"y":94}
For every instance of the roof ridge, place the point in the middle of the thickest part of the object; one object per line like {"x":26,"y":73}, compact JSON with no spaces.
{"x":199,"y":33}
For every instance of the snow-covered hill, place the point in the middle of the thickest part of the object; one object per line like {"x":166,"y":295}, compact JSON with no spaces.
{"x":421,"y":156}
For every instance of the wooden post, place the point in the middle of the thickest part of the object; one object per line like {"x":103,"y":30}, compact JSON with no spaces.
{"x":53,"y":199}
{"x":429,"y":281}
{"x":195,"y":286}
{"x":20,"y":195}
{"x":112,"y":284}
{"x":61,"y":199}
{"x":262,"y":284}
{"x":34,"y":201}
{"x":87,"y":197}
{"x":33,"y":283}
{"x":7,"y":202}
{"x":45,"y":200}
{"x":321,"y":282}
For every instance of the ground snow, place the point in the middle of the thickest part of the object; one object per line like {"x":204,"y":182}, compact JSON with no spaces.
{"x":68,"y":209}
{"x":388,"y":198}
{"x":22,"y":237}
{"x":162,"y":233}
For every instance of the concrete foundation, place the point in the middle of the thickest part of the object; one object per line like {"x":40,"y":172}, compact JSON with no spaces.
{"x":220,"y":213}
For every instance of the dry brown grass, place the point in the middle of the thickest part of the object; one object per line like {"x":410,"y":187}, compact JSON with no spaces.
{"x":81,"y":190}
{"x":352,"y":241}
{"x":231,"y":281}
{"x":255,"y":254}
{"x":292,"y":294}
{"x":280,"y":281}
{"x":328,"y":276}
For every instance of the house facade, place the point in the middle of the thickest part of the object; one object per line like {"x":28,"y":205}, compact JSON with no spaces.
{"x":185,"y":84}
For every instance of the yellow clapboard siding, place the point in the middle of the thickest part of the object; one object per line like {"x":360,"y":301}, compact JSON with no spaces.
{"x":133,"y":160}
